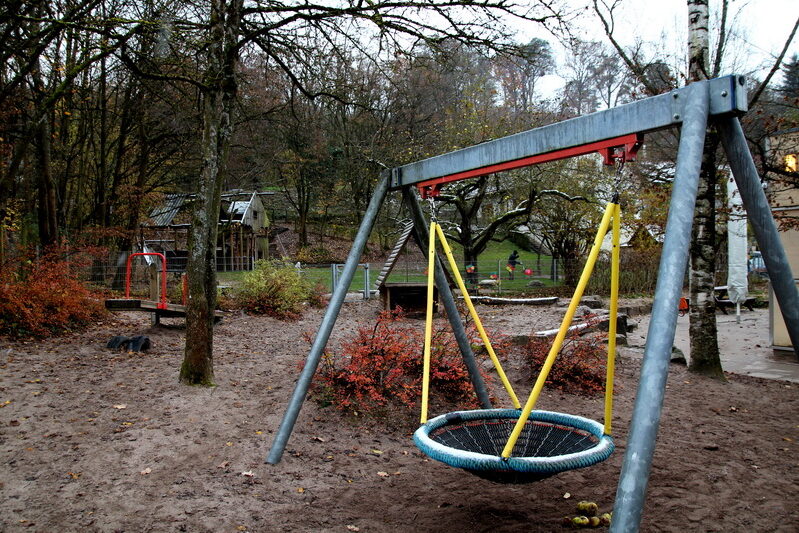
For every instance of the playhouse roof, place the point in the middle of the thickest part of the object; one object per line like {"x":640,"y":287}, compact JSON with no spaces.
{"x":235,"y":205}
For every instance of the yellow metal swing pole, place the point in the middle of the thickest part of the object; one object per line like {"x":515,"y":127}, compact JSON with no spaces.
{"x":564,"y":328}
{"x":428,"y":325}
{"x":473,"y":312}
{"x":614,"y":314}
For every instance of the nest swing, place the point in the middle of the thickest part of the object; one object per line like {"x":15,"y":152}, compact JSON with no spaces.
{"x":521,"y":445}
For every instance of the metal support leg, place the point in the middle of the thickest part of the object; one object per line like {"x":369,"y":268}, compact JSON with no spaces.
{"x":759,"y":213}
{"x":631,"y":490}
{"x":326,"y":327}
{"x":422,"y":229}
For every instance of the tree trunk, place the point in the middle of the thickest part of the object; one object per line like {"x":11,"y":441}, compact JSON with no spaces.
{"x":571,"y":270}
{"x":219,"y":93}
{"x":698,"y":40}
{"x":470,"y":265}
{"x":703,"y":332}
{"x":48,"y":208}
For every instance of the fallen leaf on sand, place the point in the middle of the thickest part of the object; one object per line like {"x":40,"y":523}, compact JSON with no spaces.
{"x":318,"y":439}
{"x":353,"y":528}
{"x":223,"y":465}
{"x":300,"y":490}
{"x":120,"y":406}
{"x":228,"y":443}
{"x":248,"y":474}
{"x":146,"y":471}
{"x":376,"y":452}
{"x":566,"y":496}
{"x":383,"y":474}
{"x":73,"y":475}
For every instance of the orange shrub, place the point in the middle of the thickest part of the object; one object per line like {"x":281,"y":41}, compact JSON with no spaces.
{"x":580,"y":366}
{"x":44,"y":297}
{"x":380,"y":367}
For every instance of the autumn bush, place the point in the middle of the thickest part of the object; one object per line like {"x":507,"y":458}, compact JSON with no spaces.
{"x":379,"y":370}
{"x":276,"y":289}
{"x":580,"y":366}
{"x":44,"y":296}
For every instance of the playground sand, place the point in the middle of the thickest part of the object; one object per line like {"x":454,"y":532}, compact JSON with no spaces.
{"x":95,"y":440}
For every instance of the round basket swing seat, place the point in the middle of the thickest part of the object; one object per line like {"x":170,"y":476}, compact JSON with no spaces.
{"x":548,"y":444}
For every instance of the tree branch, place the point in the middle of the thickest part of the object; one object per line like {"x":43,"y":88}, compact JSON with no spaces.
{"x":775,"y":67}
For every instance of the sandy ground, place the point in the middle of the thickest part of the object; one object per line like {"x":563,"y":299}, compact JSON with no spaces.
{"x":96,"y":440}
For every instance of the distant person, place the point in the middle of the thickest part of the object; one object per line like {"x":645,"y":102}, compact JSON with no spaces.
{"x":513,"y":260}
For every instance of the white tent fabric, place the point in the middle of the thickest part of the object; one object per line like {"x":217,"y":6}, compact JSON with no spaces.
{"x":737,"y":282}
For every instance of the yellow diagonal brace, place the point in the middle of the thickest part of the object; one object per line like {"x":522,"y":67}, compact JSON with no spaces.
{"x":564,"y":328}
{"x":614,"y":313}
{"x":477,"y":322}
{"x":428,"y":325}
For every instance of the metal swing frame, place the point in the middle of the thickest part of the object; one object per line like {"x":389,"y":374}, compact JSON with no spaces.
{"x":690,"y":108}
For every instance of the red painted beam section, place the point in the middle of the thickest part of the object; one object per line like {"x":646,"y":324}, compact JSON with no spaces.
{"x":628,"y":144}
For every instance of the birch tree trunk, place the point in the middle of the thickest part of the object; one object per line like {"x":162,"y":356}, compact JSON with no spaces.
{"x":703,"y":332}
{"x":218,"y":96}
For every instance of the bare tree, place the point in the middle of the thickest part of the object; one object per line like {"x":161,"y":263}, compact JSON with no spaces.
{"x":219,"y":92}
{"x":702,"y":65}
{"x":277,"y":29}
{"x":705,"y":357}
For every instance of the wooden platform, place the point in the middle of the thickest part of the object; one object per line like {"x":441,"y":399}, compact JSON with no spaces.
{"x":412,"y":297}
{"x":150,"y":306}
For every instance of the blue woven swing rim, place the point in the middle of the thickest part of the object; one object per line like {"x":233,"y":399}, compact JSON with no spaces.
{"x":477,"y":462}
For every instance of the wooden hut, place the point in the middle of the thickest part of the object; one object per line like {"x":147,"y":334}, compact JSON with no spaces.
{"x":242,"y":237}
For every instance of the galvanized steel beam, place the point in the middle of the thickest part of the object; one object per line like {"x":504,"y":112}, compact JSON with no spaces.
{"x":328,"y":321}
{"x":728,"y":96}
{"x":631,"y":491}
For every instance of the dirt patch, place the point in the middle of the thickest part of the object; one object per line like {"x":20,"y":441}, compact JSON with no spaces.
{"x":96,"y":440}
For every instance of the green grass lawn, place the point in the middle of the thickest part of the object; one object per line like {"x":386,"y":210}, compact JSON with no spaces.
{"x":492,"y":262}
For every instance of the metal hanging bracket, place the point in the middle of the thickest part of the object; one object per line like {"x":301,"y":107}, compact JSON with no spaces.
{"x":618,"y":155}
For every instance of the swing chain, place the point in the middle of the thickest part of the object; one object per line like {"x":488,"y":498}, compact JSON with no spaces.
{"x":617,"y":179}
{"x":433,"y":211}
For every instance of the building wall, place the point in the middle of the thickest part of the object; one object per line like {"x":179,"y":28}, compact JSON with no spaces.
{"x":784,"y":199}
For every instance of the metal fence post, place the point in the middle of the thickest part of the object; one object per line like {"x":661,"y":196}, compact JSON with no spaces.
{"x":366,"y":291}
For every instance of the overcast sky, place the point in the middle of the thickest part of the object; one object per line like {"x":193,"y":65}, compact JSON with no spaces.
{"x":759,"y":29}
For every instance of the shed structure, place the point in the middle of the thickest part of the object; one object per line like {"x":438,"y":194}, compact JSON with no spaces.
{"x":243,"y":230}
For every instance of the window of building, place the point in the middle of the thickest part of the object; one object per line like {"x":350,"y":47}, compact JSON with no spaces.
{"x":790,"y":163}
